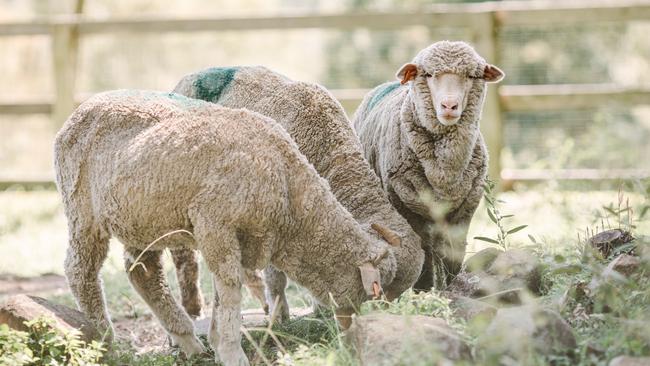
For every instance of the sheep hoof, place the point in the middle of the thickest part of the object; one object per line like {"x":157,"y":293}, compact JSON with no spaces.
{"x":188,"y":343}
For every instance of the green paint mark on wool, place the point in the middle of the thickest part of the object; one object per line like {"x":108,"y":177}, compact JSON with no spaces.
{"x":211,"y":83}
{"x":382,"y":91}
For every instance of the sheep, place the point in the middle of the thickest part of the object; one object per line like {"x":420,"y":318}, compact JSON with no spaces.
{"x":421,"y":136}
{"x":319,"y":126}
{"x":140,"y":165}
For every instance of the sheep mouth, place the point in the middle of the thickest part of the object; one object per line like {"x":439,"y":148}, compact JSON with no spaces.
{"x":448,"y":120}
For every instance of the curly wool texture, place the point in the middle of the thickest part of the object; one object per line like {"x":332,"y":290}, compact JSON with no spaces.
{"x":136,"y":164}
{"x":323,"y":133}
{"x":433,"y":174}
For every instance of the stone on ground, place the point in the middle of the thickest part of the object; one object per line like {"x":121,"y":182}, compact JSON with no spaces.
{"x":507,"y":278}
{"x":386,"y":339}
{"x":617,"y":270}
{"x":624,"y":264}
{"x":468,"y":308}
{"x":521,"y":265}
{"x":630,"y":361}
{"x":20,"y":308}
{"x":518,"y":331}
{"x":482,"y":260}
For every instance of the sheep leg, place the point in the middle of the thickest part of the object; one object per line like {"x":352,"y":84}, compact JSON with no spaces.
{"x":276,"y":283}
{"x":225,"y":335}
{"x":150,"y":282}
{"x":84,"y":258}
{"x":187,"y":272}
{"x":255,"y":284}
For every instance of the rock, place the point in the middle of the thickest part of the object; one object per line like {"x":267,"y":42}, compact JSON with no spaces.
{"x":511,"y":276}
{"x":482,"y":260}
{"x":624,"y":264}
{"x":468,"y":308}
{"x":630,"y":361}
{"x":518,"y":331}
{"x":386,"y":339}
{"x":466,"y":284}
{"x":607,"y":241}
{"x":518,"y":264}
{"x":20,"y":308}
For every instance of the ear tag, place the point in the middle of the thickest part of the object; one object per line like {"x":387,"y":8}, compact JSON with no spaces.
{"x":371,"y":279}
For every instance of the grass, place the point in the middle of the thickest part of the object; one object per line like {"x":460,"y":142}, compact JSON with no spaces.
{"x":33,"y":240}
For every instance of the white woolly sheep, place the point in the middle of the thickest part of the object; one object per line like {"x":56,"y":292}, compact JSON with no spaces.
{"x":319,"y":126}
{"x":136,"y":165}
{"x":421,"y":135}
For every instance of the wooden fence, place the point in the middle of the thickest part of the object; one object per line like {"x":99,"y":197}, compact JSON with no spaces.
{"x":484,"y":20}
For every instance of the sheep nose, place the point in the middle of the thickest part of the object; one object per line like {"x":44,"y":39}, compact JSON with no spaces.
{"x":450,"y":103}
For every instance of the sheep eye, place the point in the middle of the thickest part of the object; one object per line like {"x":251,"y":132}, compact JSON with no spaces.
{"x":427,"y":75}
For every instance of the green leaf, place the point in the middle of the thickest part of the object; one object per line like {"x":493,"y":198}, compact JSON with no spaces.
{"x":518,"y":228}
{"x":494,"y":220}
{"x":610,"y":210}
{"x":559,"y":258}
{"x":532,"y":238}
{"x":489,"y":240}
{"x":506,"y":216}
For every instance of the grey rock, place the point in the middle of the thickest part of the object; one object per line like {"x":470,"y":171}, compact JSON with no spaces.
{"x":520,"y":330}
{"x":386,"y":339}
{"x":624,"y":264}
{"x":518,"y":264}
{"x":20,"y":308}
{"x":630,"y":361}
{"x":482,"y":260}
{"x":468,"y":308}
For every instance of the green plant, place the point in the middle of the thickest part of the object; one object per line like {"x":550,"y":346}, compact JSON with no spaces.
{"x":42,"y":344}
{"x":495,"y":215}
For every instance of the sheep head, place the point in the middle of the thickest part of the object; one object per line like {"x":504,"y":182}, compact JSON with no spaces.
{"x":442,"y":77}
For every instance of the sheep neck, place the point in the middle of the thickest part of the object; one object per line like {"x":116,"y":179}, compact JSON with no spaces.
{"x":324,"y":252}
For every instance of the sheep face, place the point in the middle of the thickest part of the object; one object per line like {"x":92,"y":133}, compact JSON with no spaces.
{"x":442,"y":77}
{"x":449,"y":95}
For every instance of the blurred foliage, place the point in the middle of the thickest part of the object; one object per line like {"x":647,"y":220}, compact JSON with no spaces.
{"x":42,"y":344}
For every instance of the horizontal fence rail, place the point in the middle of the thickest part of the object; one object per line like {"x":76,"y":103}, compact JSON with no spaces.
{"x":485,"y":20}
{"x":513,"y":98}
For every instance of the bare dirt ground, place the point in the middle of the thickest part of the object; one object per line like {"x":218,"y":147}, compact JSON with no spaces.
{"x":143,"y":333}
{"x":47,"y":284}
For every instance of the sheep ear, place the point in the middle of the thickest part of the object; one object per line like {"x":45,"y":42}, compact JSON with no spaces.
{"x":371,"y":279}
{"x":407,"y":73}
{"x":389,"y":235}
{"x":493,"y":74}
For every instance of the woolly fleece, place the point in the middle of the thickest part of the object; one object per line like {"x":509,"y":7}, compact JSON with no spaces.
{"x":433,"y":174}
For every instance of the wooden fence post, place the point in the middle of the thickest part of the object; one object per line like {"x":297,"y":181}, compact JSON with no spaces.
{"x":486,"y":37}
{"x":65,"y":45}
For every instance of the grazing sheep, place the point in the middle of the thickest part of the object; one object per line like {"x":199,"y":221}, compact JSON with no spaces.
{"x":136,"y":165}
{"x":421,"y":135}
{"x":318,"y":124}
